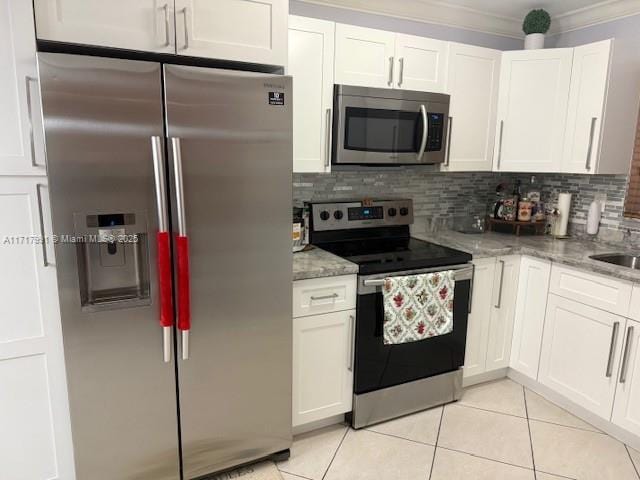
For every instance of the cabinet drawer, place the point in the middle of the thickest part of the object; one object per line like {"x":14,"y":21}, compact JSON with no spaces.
{"x":324,"y":295}
{"x":591,"y":289}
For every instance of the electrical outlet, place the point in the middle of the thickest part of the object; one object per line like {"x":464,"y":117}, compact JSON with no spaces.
{"x":602,"y":199}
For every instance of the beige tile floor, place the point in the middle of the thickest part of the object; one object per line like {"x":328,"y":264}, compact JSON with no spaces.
{"x":499,"y":430}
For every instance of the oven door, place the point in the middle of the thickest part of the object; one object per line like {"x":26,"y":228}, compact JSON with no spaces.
{"x":380,"y":366}
{"x":372,"y":130}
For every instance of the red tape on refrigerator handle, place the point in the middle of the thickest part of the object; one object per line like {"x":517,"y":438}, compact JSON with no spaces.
{"x":184,"y":291}
{"x":164,"y":279}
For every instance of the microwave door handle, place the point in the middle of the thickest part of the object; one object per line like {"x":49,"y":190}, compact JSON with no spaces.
{"x":425,"y":132}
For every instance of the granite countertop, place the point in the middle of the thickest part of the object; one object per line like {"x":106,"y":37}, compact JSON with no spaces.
{"x":570,"y":252}
{"x":316,"y":263}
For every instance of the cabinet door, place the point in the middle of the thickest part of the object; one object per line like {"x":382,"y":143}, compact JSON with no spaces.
{"x":532,"y":110}
{"x":34,"y":410}
{"x":422,"y":63}
{"x":503,"y":312}
{"x":531,"y":304}
{"x":480,"y":317}
{"x":146,"y":25}
{"x":580,"y":353}
{"x":626,"y":410}
{"x":322,"y":365}
{"x":472,"y":82}
{"x":311,"y":65}
{"x":364,"y":56}
{"x":21,"y":137}
{"x":589,"y":80}
{"x":253,"y":31}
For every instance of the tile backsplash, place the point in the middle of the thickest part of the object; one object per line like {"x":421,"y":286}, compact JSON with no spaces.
{"x":440,"y":196}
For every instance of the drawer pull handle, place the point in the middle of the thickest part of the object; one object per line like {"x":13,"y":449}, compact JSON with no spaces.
{"x":352,"y":322}
{"x":324,"y":297}
{"x":499,"y":304}
{"x":614,"y":339}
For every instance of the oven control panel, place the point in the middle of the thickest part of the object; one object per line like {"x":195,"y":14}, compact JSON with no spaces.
{"x":359,"y":214}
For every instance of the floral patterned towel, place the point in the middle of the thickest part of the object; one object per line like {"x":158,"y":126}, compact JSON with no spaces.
{"x":418,"y":306}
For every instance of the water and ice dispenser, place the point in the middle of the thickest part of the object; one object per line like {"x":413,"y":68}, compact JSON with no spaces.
{"x":113,"y":259}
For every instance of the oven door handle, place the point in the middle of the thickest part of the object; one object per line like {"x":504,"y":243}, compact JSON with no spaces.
{"x":425,"y":132}
{"x":464,"y":273}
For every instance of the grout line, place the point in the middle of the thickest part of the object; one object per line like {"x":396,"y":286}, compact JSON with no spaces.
{"x":336,"y":452}
{"x":533,"y":419}
{"x":435,"y":450}
{"x":526,"y":411}
{"x":555,"y":475}
{"x":294,"y":474}
{"x":486,"y":458}
{"x":631,"y":459}
{"x":399,"y":437}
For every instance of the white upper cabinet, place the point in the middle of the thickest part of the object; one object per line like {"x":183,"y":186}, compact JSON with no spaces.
{"x":531,"y":303}
{"x":311,"y":48}
{"x":626,"y":410}
{"x":421,"y":63}
{"x":589,"y":81}
{"x":364,"y":56}
{"x":472,"y":82}
{"x":21,"y":133}
{"x":139,"y":25}
{"x":580,"y":353}
{"x":253,"y":31}
{"x":532,"y":110}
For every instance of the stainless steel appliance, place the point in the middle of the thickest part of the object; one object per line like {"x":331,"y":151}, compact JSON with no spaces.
{"x":175,"y":183}
{"x":384,"y":126}
{"x":394,"y":380}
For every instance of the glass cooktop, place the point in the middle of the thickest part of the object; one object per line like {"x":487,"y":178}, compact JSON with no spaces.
{"x":389,"y":255}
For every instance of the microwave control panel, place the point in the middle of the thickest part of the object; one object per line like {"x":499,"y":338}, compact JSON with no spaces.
{"x":436,"y":132}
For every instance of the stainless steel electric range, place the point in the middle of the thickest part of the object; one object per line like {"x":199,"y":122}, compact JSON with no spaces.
{"x":394,"y":380}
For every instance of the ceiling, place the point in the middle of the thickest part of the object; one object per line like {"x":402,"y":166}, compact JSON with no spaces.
{"x":501,"y":17}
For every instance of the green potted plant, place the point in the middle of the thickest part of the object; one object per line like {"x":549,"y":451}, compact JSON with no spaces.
{"x":536,"y":24}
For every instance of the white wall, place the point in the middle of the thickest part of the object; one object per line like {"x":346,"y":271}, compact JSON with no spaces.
{"x":381,"y":22}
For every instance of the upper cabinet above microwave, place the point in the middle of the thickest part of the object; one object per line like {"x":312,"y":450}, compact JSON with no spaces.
{"x":376,"y":58}
{"x":236,"y":30}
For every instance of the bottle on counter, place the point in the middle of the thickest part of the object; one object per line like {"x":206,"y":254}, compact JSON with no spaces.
{"x":534,"y":196}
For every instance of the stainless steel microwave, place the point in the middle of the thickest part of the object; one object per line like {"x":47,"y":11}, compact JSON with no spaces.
{"x":377,"y":126}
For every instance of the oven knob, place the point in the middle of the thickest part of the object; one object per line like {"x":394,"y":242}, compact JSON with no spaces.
{"x":392,"y":212}
{"x":324,"y":215}
{"x":404,"y":211}
{"x":338,"y":214}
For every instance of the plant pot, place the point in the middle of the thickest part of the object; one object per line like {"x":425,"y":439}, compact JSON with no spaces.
{"x":534,"y":41}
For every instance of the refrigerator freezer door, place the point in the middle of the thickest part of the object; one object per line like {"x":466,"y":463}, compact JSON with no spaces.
{"x":236,"y":155}
{"x":100,"y":115}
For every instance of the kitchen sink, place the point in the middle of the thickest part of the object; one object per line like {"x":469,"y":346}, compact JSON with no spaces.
{"x":622,"y":259}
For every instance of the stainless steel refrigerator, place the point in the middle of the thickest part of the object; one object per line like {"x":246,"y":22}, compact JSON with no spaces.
{"x":171,"y":200}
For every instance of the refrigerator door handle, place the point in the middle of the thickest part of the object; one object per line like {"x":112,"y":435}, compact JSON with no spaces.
{"x":164,"y":251}
{"x":182,"y":248}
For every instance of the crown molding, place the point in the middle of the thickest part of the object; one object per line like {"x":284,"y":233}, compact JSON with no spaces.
{"x":442,"y":13}
{"x":433,"y":11}
{"x":602,"y":12}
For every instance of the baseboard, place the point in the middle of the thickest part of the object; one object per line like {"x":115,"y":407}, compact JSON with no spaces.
{"x":325,"y":422}
{"x":577,"y":410}
{"x":484,"y":377}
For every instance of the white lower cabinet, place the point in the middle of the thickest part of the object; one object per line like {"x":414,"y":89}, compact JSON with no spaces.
{"x":581,"y":353}
{"x":626,"y":410}
{"x":503,"y":312}
{"x":531,"y":303}
{"x":322,"y":365}
{"x":34,"y":412}
{"x":490,"y":327}
{"x":479,"y":318}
